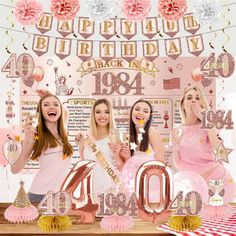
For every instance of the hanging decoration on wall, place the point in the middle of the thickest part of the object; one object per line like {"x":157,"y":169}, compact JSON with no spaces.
{"x":222,"y":153}
{"x":208,"y":12}
{"x":64,"y":9}
{"x":28,"y":12}
{"x":172,"y":9}
{"x":100,"y":10}
{"x":21,"y":211}
{"x":136,"y":9}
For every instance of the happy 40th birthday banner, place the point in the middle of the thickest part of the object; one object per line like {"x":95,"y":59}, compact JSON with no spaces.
{"x":117,"y":48}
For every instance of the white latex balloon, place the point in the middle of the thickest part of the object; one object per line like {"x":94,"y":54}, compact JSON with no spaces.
{"x":11,"y":151}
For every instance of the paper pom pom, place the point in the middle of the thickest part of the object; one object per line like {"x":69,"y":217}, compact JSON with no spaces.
{"x":54,"y":223}
{"x":208,"y":11}
{"x":64,"y":9}
{"x":172,"y":9}
{"x":216,"y":212}
{"x":21,"y":211}
{"x":28,"y":12}
{"x":100,"y":9}
{"x":116,"y":223}
{"x":181,"y":223}
{"x":136,"y":9}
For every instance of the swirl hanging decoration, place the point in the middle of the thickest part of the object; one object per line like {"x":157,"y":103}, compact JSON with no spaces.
{"x":9,"y":19}
{"x":213,"y":39}
{"x":27,"y":39}
{"x":228,"y":23}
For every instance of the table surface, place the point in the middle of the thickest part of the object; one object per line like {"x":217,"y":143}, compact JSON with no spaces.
{"x":140,"y":228}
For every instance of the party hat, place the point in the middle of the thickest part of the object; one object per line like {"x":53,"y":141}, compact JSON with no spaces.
{"x":21,"y":211}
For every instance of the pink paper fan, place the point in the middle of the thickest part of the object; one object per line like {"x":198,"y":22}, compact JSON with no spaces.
{"x":21,"y":215}
{"x":116,"y":223}
{"x":64,"y":9}
{"x":28,"y":12}
{"x":216,"y":212}
{"x":136,"y":9}
{"x":172,"y":9}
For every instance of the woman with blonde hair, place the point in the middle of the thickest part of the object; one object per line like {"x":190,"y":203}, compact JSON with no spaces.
{"x":47,"y":143}
{"x":101,"y":123}
{"x":193,"y":146}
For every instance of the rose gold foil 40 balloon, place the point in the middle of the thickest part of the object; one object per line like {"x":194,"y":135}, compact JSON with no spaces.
{"x":161,"y":211}
{"x":83,"y":205}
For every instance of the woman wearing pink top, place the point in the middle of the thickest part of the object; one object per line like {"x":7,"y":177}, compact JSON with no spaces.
{"x":48,"y":144}
{"x":193,"y":146}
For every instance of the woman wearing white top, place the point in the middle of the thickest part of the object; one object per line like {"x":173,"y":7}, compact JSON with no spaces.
{"x":48,"y":144}
{"x":101,"y":123}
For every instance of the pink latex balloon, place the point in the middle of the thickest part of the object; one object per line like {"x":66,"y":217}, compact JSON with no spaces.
{"x":130,"y":169}
{"x":37,"y":74}
{"x":188,"y":181}
{"x":197,"y":74}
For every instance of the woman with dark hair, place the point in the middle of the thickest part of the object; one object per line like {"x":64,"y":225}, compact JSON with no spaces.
{"x":48,"y":143}
{"x":143,"y":137}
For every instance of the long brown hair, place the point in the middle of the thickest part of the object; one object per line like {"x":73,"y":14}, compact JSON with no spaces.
{"x":93,"y":127}
{"x":132,"y":130}
{"x":45,"y":138}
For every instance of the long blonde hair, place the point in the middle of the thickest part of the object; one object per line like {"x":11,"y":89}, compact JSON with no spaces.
{"x":202,"y":98}
{"x":45,"y":138}
{"x":93,"y":125}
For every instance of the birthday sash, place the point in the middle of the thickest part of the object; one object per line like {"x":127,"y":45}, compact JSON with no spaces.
{"x":102,"y":161}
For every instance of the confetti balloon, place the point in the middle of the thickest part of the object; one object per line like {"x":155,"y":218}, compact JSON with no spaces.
{"x":38,"y":74}
{"x":197,"y":74}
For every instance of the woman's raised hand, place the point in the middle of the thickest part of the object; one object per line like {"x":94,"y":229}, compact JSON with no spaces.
{"x":29,"y":130}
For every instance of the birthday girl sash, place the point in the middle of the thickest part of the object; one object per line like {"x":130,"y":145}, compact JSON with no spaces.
{"x":102,"y":161}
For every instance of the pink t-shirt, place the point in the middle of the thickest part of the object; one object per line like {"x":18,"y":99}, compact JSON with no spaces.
{"x":195,"y":152}
{"x":52,"y":171}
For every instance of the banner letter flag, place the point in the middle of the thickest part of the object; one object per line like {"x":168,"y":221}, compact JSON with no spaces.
{"x":128,"y":28}
{"x":171,"y":28}
{"x":40,"y":44}
{"x":173,"y":47}
{"x":65,"y":28}
{"x":129,"y":50}
{"x":86,"y":27}
{"x":195,"y":44}
{"x":84,"y":49}
{"x":107,"y":50}
{"x":108,"y":28}
{"x":150,"y":49}
{"x":45,"y":23}
{"x":190,"y":23}
{"x":62,"y":47}
{"x":150,"y":27}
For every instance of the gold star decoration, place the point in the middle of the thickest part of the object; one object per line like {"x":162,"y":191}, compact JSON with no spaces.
{"x":17,"y":138}
{"x":133,"y":146}
{"x":36,"y":138}
{"x":141,"y":122}
{"x":221,"y":153}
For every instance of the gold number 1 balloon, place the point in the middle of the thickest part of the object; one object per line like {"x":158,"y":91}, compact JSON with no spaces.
{"x":83,"y":205}
{"x":163,"y":172}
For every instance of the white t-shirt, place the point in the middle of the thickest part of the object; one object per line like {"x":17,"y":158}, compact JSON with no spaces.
{"x":52,"y":171}
{"x":102,"y":182}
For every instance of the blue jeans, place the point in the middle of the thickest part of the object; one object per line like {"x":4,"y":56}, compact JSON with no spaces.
{"x":35,"y":198}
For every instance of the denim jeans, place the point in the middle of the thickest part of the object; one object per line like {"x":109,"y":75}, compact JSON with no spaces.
{"x":35,"y":198}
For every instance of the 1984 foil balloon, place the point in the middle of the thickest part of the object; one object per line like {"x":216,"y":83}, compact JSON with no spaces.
{"x":163,"y":172}
{"x":83,"y":205}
